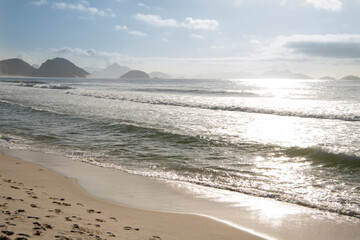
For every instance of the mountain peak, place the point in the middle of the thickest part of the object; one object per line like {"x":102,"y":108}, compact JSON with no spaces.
{"x":61,"y":67}
{"x":112,"y":71}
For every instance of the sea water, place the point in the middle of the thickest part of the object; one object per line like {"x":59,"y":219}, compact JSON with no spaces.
{"x":294,"y":141}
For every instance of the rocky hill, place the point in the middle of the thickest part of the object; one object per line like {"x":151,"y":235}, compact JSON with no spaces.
{"x":327,"y":78}
{"x":16,"y":67}
{"x":57,"y":67}
{"x":135,"y":74}
{"x":60,"y":67}
{"x":351,"y":77}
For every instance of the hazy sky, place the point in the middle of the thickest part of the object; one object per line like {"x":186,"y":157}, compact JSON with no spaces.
{"x":316,"y":37}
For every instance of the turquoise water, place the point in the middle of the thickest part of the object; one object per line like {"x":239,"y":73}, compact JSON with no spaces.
{"x":291,"y":140}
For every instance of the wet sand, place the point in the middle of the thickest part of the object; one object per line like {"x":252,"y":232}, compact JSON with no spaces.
{"x":37,"y":203}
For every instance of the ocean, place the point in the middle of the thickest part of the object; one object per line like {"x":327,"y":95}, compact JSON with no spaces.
{"x":295,"y":141}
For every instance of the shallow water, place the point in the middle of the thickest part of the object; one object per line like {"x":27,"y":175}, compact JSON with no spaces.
{"x":291,"y":140}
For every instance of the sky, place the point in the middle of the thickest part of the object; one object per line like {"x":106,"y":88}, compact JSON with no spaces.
{"x":187,"y":37}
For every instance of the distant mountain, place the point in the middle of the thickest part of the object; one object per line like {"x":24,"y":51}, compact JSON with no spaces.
{"x":159,"y":75}
{"x":60,"y":67}
{"x":283,"y":75}
{"x":327,"y":78}
{"x":57,"y":67}
{"x":135,"y":74}
{"x":113,"y":71}
{"x":16,"y":67}
{"x":225,"y":75}
{"x":351,"y":77}
{"x":266,"y":75}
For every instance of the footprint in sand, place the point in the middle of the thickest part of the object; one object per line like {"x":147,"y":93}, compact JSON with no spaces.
{"x":23,"y":234}
{"x":155,"y":238}
{"x":111,"y":234}
{"x":127,"y":228}
{"x":2,"y":237}
{"x":9,"y":233}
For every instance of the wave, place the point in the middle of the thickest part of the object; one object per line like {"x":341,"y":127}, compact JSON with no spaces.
{"x":201,"y":176}
{"x":177,"y":103}
{"x":197,"y":91}
{"x":48,"y":86}
{"x":32,"y":108}
{"x":23,"y":81}
{"x":317,"y":155}
{"x":39,"y":84}
{"x":349,"y":209}
{"x":326,"y":158}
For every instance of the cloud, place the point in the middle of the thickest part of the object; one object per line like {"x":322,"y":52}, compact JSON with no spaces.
{"x":39,"y":2}
{"x":142,"y":5}
{"x":86,"y":53}
{"x":297,"y":47}
{"x":129,"y":31}
{"x":157,"y":21}
{"x":83,"y":6}
{"x":196,"y":36}
{"x":330,"y":45}
{"x":206,"y":24}
{"x":137,"y":33}
{"x":329,"y":5}
{"x":121,"y":28}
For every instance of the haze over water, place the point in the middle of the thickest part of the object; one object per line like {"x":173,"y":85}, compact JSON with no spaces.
{"x":291,"y":140}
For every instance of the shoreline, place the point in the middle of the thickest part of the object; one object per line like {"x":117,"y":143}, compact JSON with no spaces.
{"x":263,"y":217}
{"x":45,"y":204}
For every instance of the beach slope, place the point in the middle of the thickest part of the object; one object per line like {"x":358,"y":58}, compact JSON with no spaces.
{"x":36,"y":203}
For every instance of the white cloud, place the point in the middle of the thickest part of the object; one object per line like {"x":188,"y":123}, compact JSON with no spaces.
{"x":196,"y":36}
{"x":191,"y":66}
{"x":39,"y":2}
{"x":121,"y":28}
{"x":206,"y":24}
{"x":137,"y":33}
{"x":143,"y":5}
{"x":86,"y":53}
{"x":156,"y":20}
{"x":83,"y":7}
{"x":329,"y":5}
{"x":80,"y":52}
{"x":129,"y":31}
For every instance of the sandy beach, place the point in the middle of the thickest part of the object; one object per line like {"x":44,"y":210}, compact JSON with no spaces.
{"x":37,"y":203}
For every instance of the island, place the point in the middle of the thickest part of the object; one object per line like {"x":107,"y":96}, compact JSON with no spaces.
{"x":135,"y":74}
{"x":327,"y":78}
{"x":351,"y":77}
